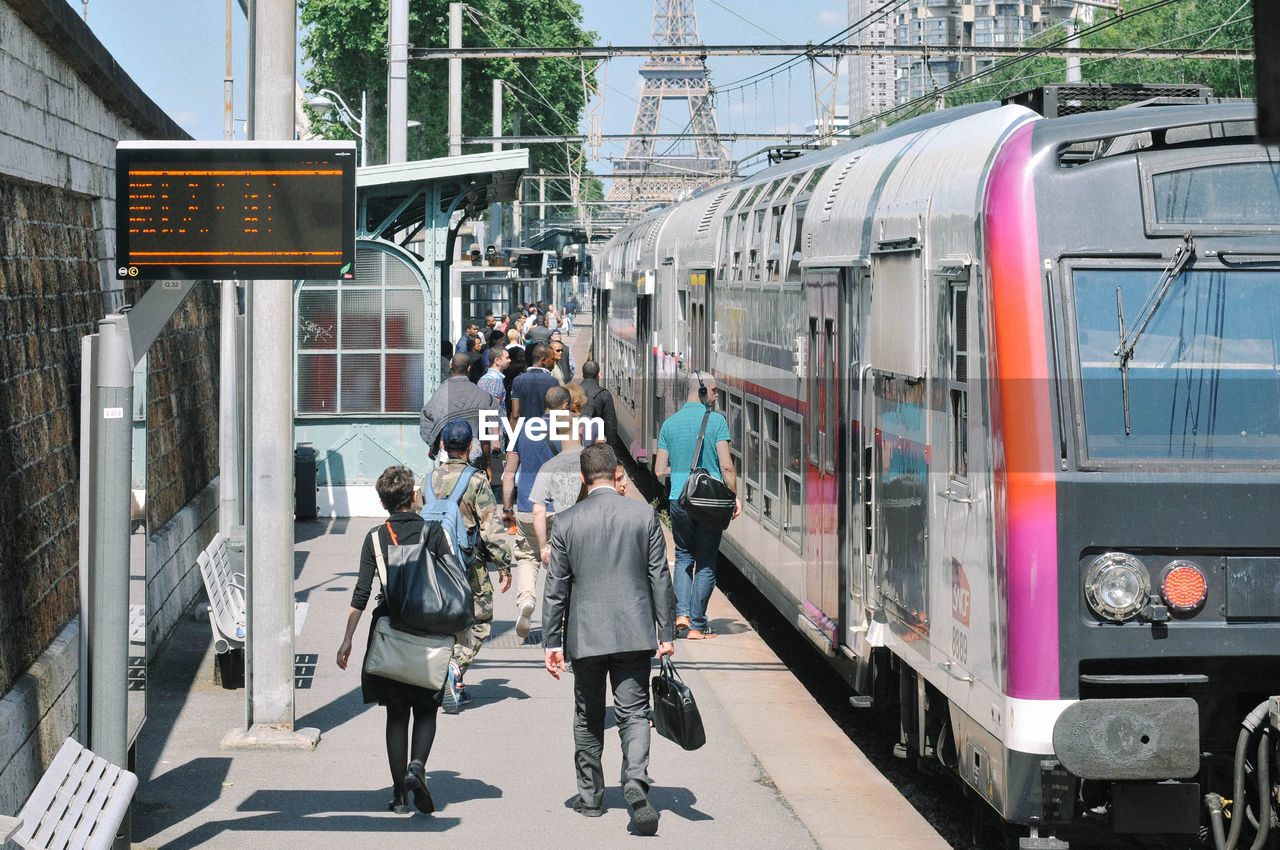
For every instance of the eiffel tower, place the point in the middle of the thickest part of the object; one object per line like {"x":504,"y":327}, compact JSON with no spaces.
{"x":661,"y":179}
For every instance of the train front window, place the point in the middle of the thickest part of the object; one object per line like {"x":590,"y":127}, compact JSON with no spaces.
{"x":1202,"y":382}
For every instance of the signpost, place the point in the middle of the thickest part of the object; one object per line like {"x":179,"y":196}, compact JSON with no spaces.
{"x":186,"y":212}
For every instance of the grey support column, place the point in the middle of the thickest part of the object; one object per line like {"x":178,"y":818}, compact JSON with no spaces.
{"x":269,"y":509}
{"x":397,"y":82}
{"x":455,"y":81}
{"x":109,"y":588}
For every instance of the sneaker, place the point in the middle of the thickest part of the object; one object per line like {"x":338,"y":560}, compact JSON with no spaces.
{"x":643,"y":815}
{"x":452,"y":702}
{"x":464,"y":695}
{"x":415,"y":780}
{"x":526,"y":615}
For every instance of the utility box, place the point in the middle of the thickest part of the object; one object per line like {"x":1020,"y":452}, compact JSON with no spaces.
{"x":304,"y":481}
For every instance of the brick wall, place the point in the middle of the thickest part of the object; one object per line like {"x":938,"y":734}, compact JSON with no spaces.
{"x":64,"y":103}
{"x":49,"y":298}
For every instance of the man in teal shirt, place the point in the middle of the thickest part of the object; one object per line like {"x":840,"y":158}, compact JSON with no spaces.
{"x":697,"y":546}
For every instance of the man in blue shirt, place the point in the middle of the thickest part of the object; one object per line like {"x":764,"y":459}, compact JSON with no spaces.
{"x":524,"y":459}
{"x":696,"y":545}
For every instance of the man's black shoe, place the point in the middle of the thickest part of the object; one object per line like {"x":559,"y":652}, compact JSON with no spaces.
{"x":415,"y":780}
{"x":399,"y":802}
{"x":585,"y":810}
{"x":643,"y":814}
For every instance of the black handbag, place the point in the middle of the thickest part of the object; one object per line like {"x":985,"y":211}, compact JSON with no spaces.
{"x":706,"y":499}
{"x":675,"y":714}
{"x":426,"y":594}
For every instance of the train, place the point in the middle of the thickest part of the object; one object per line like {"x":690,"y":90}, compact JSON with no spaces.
{"x":1004,"y":396}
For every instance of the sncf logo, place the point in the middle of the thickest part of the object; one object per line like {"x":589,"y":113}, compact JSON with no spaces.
{"x":960,"y":595}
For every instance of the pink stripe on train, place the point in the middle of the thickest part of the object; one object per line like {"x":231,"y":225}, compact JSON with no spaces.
{"x":1027,"y":544}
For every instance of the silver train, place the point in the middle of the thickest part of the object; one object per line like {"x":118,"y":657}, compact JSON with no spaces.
{"x":1005,"y":403}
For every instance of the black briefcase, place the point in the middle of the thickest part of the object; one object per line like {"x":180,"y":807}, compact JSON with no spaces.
{"x":675,"y":714}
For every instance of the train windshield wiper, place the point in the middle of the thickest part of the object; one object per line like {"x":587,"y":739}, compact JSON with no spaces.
{"x":1182,"y":257}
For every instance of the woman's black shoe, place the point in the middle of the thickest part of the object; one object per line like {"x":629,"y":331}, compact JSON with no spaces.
{"x":399,"y":802}
{"x":416,"y":781}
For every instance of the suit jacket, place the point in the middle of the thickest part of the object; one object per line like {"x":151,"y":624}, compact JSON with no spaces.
{"x":607,"y":582}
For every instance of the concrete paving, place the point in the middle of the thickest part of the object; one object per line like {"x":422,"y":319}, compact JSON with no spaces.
{"x":776,"y":772}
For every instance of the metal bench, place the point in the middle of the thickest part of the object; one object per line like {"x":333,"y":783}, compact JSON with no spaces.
{"x":226,"y":596}
{"x":79,"y":802}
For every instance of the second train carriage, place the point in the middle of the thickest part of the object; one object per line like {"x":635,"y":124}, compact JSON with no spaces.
{"x":1005,"y":402}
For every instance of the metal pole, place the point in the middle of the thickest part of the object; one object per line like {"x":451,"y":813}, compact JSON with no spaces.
{"x":517,"y":206}
{"x":455,"y":81}
{"x":109,"y":589}
{"x":497,"y":113}
{"x":364,"y":127}
{"x":1073,"y":40}
{"x":398,"y":81}
{"x":269,"y":513}
{"x":228,"y":418}
{"x":228,"y":102}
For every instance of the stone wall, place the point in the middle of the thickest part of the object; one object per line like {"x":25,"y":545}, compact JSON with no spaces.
{"x":50,"y":296}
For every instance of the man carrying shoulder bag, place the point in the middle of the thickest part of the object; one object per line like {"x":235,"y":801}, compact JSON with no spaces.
{"x":695,"y":427}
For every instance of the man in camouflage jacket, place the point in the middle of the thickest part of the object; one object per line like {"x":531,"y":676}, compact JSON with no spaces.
{"x":479,"y":510}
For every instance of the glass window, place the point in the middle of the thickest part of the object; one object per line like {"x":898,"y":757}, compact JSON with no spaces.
{"x":792,"y":480}
{"x":361,"y":343}
{"x":751,"y":463}
{"x":1237,"y":193}
{"x":771,"y":438}
{"x":1203,"y":380}
{"x":813,"y":179}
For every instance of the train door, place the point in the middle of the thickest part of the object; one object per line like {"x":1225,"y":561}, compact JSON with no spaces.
{"x":645,"y":372}
{"x":700,"y":319}
{"x":823,"y":392}
{"x":853,"y":545}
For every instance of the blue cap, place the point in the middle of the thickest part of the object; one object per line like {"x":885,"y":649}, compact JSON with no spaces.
{"x":456,"y":435}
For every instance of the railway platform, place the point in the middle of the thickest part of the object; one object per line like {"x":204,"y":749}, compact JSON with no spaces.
{"x":776,"y":770}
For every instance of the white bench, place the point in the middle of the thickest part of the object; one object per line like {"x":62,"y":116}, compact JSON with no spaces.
{"x":79,"y":802}
{"x":226,"y":596}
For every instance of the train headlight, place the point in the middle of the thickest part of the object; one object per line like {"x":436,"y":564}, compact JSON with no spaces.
{"x":1183,"y":587}
{"x":1117,"y":586}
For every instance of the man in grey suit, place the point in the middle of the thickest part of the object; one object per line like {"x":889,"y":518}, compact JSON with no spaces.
{"x":607,"y":585}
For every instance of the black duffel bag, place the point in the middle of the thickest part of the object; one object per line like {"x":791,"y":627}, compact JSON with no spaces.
{"x":675,"y":714}
{"x":706,"y":499}
{"x":426,"y":594}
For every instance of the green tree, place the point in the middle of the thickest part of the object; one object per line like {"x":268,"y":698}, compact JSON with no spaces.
{"x":1192,"y":23}
{"x":345,"y":43}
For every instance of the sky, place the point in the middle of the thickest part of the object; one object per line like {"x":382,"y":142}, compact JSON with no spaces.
{"x":176,"y":51}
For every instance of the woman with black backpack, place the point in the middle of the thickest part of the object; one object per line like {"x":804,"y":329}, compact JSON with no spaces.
{"x":407,"y":758}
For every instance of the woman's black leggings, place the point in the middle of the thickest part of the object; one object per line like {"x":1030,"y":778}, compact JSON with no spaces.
{"x":424,"y":733}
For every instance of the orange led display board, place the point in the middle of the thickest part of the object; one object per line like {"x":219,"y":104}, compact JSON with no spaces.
{"x":241,"y":210}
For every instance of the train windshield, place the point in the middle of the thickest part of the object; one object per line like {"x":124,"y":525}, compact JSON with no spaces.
{"x":1199,"y":381}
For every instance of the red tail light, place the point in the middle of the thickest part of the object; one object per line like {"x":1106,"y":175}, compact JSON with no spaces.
{"x":1183,"y":587}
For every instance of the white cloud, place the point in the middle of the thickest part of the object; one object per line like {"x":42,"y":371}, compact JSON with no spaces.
{"x":831,"y":20}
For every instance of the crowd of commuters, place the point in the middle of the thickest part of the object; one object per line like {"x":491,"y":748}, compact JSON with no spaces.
{"x":609,"y":602}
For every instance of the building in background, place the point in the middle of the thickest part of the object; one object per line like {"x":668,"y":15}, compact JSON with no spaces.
{"x":876,"y":83}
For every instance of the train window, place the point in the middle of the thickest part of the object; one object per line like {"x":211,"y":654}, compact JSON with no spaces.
{"x":791,"y":186}
{"x":959,"y":396}
{"x":726,"y":248}
{"x":1200,"y":381}
{"x":811,"y":373}
{"x":683,"y":305}
{"x":797,"y":230}
{"x":1230,"y":195}
{"x":751,"y":465}
{"x":772,"y":461}
{"x":792,"y":478}
{"x":737,"y":437}
{"x":832,"y":388}
{"x":813,"y":179}
{"x":773,"y":188}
